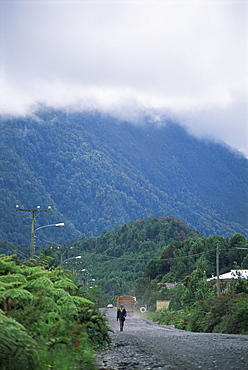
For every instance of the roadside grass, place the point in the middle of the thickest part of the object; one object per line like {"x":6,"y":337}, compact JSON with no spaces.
{"x":226,"y":314}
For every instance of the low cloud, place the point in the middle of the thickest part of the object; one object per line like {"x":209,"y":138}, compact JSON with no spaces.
{"x":186,"y":58}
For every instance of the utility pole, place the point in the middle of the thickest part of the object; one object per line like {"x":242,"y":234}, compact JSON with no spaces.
{"x":61,"y":250}
{"x":32,"y":225}
{"x":217,"y":269}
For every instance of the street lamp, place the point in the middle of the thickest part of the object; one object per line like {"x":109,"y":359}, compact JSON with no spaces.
{"x":61,"y":250}
{"x":71,"y":258}
{"x":41,"y":227}
{"x":61,"y":224}
{"x":85,"y":279}
{"x":217,"y":269}
{"x":93,"y":283}
{"x":32,"y":224}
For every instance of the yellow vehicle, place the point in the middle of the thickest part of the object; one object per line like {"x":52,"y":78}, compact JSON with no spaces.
{"x":129,"y":303}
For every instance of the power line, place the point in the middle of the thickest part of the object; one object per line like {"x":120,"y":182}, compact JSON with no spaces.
{"x":149,"y":259}
{"x":14,"y":249}
{"x":32,"y":224}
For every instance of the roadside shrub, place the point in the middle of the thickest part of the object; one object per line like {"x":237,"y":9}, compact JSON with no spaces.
{"x":240,"y":314}
{"x":17,"y":349}
{"x":226,"y":314}
{"x":239,"y":285}
{"x":96,"y":327}
{"x":177,"y":318}
{"x":72,"y":351}
{"x":48,"y":325}
{"x":176,"y":298}
{"x":207,"y":314}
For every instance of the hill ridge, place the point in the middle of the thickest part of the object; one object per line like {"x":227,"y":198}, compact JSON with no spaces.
{"x":97,"y":172}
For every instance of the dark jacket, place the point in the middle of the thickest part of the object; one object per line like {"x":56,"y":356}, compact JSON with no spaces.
{"x":121,"y":314}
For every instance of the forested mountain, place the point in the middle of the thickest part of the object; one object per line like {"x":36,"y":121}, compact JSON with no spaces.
{"x":141,"y":254}
{"x":117,"y":259}
{"x":97,"y":172}
{"x":162,"y":250}
{"x":179,"y":260}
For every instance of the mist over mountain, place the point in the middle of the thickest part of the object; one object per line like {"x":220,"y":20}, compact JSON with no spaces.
{"x":96,"y":171}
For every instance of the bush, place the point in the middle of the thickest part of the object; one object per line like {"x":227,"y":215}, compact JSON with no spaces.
{"x":240,"y":314}
{"x":50,"y":326}
{"x":17,"y":349}
{"x":227,"y":314}
{"x":177,"y":318}
{"x":75,"y":352}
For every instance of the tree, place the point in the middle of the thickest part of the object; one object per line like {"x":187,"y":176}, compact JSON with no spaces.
{"x":196,"y":288}
{"x":17,"y":349}
{"x":57,"y":320}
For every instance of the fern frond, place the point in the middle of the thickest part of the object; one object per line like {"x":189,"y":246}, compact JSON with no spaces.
{"x":67,"y":309}
{"x":58,"y":273}
{"x":65,"y":299}
{"x":66,"y":284}
{"x":48,"y":304}
{"x":59,"y":340}
{"x":66,"y":306}
{"x":80,"y":301}
{"x":58,"y":293}
{"x":17,"y":348}
{"x":53,"y":316}
{"x":7,"y":267}
{"x":45,"y":261}
{"x":28,"y":271}
{"x":17,"y":294}
{"x":5,"y":286}
{"x":41,"y":283}
{"x":16,"y":279}
{"x":39,"y":274}
{"x":5,"y":319}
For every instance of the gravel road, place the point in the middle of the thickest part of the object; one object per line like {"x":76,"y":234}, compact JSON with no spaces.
{"x":147,"y":345}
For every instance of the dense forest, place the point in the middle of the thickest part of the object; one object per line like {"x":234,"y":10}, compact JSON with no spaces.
{"x":141,"y":256}
{"x":125,"y":250}
{"x":47,"y":319}
{"x":180,"y":258}
{"x":117,"y":259}
{"x":98,"y":173}
{"x":144,"y":258}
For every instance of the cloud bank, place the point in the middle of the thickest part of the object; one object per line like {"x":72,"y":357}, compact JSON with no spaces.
{"x":188,"y":58}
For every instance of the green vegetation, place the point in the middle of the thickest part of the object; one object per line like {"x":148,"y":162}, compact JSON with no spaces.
{"x":176,"y":263}
{"x":193,"y":304}
{"x":151,"y":252}
{"x":46,"y":321}
{"x":104,"y":258}
{"x":224,"y":314}
{"x":117,"y":259}
{"x":187,"y":260}
{"x":53,"y":308}
{"x":96,"y":172}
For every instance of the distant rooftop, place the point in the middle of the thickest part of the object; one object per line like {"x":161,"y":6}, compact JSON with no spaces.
{"x":233,"y":274}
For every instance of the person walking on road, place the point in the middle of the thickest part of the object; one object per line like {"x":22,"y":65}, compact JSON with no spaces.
{"x":121,"y":316}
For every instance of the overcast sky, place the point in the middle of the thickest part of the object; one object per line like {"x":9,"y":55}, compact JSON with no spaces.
{"x":187,"y":59}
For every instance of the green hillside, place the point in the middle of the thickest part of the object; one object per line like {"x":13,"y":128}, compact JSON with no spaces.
{"x":117,"y":259}
{"x":139,"y":256}
{"x":96,"y":172}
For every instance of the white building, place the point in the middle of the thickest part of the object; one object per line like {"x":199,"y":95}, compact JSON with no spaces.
{"x":233,"y":274}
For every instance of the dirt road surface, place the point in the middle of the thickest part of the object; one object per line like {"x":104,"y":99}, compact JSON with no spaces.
{"x":144,"y":345}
